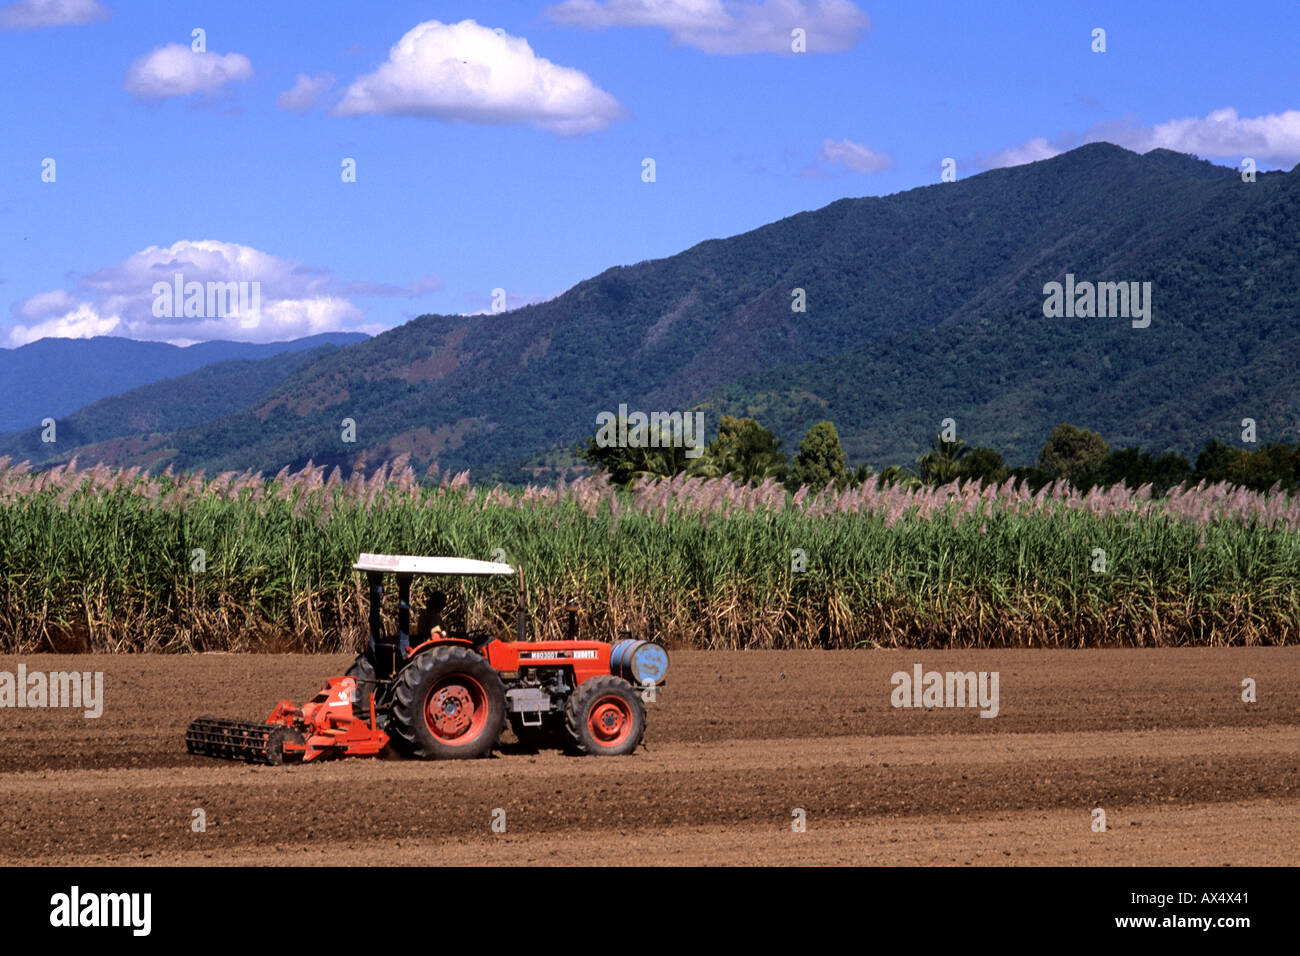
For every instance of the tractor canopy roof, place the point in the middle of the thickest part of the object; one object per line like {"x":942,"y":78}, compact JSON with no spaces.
{"x":415,"y":564}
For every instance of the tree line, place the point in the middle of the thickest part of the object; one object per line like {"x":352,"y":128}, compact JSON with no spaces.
{"x":746,"y":451}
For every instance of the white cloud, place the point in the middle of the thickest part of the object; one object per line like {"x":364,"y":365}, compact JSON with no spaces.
{"x":295,"y":299}
{"x":177,"y":70}
{"x":469,"y":73}
{"x":306,"y":91}
{"x":855,"y":156}
{"x":675,"y":15}
{"x":514,"y":300}
{"x":294,"y":318}
{"x":1271,"y":139}
{"x":83,"y":322}
{"x":43,"y":303}
{"x":1030,"y":151}
{"x":727,"y":26}
{"x":34,"y":14}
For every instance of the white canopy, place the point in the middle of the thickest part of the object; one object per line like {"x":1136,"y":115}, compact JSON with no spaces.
{"x":414,"y":564}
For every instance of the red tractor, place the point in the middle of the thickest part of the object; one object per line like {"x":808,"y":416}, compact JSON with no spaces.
{"x":437,"y":694}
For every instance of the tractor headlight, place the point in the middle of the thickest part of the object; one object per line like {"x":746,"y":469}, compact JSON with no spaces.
{"x":639,"y":662}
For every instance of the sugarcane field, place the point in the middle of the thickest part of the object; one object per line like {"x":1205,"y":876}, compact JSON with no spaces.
{"x":851,"y":444}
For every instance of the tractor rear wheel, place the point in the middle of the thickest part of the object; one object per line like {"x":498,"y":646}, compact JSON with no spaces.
{"x":605,"y":717}
{"x":363,"y":672}
{"x":448,"y":702}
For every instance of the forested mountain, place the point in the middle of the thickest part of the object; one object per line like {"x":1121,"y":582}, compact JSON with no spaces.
{"x":135,"y":425}
{"x":52,"y":377}
{"x":923,"y":305}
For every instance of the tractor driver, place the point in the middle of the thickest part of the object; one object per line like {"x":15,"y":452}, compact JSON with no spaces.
{"x":431,"y":616}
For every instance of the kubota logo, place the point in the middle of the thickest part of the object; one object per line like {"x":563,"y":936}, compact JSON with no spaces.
{"x":555,"y":655}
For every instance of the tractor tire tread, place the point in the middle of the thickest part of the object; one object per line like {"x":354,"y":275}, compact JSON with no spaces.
{"x":406,"y":710}
{"x":575,"y":714}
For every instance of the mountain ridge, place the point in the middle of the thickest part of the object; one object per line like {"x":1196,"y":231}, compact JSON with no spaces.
{"x":87,"y":370}
{"x":921,"y":305}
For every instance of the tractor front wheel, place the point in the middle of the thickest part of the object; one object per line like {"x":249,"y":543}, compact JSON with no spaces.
{"x":605,"y":717}
{"x":448,"y":702}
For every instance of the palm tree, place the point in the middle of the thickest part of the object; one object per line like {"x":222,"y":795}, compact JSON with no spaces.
{"x":941,"y":464}
{"x":743,"y":449}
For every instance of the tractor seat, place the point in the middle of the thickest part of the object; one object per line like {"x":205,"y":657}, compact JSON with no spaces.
{"x":480,"y":641}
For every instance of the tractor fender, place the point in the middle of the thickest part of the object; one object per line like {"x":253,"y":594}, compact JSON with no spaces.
{"x":438,"y":642}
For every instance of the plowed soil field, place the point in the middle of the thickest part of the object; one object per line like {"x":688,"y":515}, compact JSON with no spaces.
{"x":741,"y":746}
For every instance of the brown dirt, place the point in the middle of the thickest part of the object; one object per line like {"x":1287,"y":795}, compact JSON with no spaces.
{"x":1160,"y":739}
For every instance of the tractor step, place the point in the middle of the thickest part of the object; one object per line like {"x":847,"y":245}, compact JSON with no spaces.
{"x":244,"y":740}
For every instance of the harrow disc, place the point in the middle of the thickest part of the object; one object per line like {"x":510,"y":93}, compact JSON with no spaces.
{"x":241,"y":740}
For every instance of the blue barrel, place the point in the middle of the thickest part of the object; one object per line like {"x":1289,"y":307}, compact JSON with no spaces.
{"x":639,"y":662}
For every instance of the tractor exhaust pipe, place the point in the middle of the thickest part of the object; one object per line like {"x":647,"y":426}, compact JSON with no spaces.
{"x":521,"y":621}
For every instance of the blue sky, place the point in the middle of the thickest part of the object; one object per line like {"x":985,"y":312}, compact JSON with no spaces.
{"x":514,"y":160}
